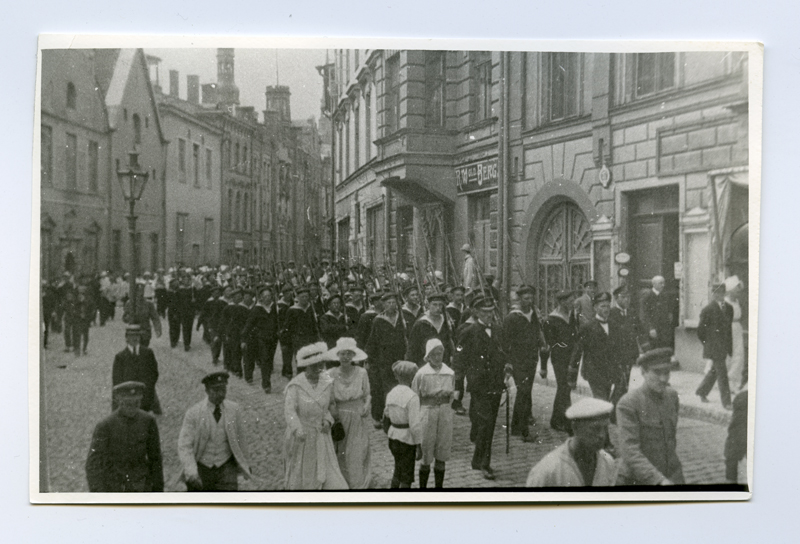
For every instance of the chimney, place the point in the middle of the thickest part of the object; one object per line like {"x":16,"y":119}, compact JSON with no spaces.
{"x":210,"y":93}
{"x":173,"y":83}
{"x":193,"y":89}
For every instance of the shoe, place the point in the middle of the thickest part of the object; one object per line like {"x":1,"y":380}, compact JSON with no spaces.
{"x":268,"y":390}
{"x":186,"y":348}
{"x":488,"y":474}
{"x":460,"y":411}
{"x":703,"y":398}
{"x":530,"y":438}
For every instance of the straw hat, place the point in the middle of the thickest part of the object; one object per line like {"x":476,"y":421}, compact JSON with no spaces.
{"x":311,"y":354}
{"x":346,"y":344}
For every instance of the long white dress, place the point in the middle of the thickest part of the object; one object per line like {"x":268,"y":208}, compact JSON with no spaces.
{"x":351,"y":395}
{"x":736,"y":360}
{"x":311,"y":462}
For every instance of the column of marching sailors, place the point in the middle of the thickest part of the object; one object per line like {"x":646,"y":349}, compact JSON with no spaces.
{"x":403,"y":362}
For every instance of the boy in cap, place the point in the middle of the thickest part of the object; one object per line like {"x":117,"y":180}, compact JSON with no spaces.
{"x":581,"y":460}
{"x":714,"y":331}
{"x":434,"y":383}
{"x":403,"y":424}
{"x":211,"y":444}
{"x":125,"y":455}
{"x":647,"y":419}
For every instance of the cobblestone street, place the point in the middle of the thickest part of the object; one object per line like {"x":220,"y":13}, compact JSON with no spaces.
{"x":77,"y":396}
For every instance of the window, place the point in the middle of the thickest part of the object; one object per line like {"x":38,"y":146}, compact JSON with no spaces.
{"x":357,"y":132}
{"x":244,"y":159}
{"x":434,"y":88}
{"x":368,"y":126}
{"x":196,"y":164}
{"x":343,"y":239}
{"x":236,"y":163}
{"x":209,"y":167}
{"x":94,"y":163}
{"x":71,"y":162}
{"x":154,"y":251}
{"x":482,"y":95}
{"x":180,"y":236}
{"x":564,"y":85}
{"x":182,"y":159}
{"x":246,"y":213}
{"x":358,"y":217}
{"x":137,"y":129}
{"x":208,"y":238}
{"x":347,"y":146}
{"x":655,"y":72}
{"x":230,"y":209}
{"x":116,"y":249}
{"x":375,"y":238}
{"x":393,"y":94}
{"x":72,"y":96}
{"x":47,"y":155}
{"x":238,"y":221}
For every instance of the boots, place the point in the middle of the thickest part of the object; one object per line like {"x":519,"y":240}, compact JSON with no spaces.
{"x":424,"y":472}
{"x":438,"y":478}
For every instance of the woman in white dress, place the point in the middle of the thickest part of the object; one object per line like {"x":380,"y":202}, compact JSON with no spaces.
{"x":733,"y":289}
{"x":308,"y":448}
{"x":353,"y":405}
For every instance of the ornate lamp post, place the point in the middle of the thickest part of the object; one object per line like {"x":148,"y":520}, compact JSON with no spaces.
{"x":133,"y":181}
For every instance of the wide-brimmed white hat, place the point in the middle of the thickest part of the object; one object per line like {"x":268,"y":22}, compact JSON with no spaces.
{"x":431,"y":345}
{"x":311,"y":354}
{"x":346,"y":344}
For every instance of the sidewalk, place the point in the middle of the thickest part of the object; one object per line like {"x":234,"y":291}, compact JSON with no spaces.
{"x":683,"y":381}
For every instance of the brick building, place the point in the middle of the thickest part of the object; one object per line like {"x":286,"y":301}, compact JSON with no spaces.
{"x":599,"y":164}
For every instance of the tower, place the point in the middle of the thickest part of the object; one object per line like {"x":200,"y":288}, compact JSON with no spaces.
{"x":278,"y":98}
{"x":227,"y":91}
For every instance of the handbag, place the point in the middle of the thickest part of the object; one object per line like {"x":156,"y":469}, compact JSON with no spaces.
{"x":337,"y":431}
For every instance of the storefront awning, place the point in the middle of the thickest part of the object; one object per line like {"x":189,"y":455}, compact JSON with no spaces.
{"x":730,"y":199}
{"x":417,"y":191}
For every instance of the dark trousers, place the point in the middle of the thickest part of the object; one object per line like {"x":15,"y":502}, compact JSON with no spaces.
{"x":719,"y":374}
{"x":216,"y":347}
{"x":70,"y":334}
{"x":266,"y":361}
{"x":161,"y":302}
{"x":46,"y":330}
{"x":381,"y":381}
{"x":187,"y":320}
{"x":483,"y":412}
{"x":233,"y":357}
{"x":404,"y":458}
{"x":562,"y":399}
{"x":523,"y":377}
{"x":80,"y":337}
{"x":221,"y":478}
{"x":174,"y":322}
{"x":286,"y":358}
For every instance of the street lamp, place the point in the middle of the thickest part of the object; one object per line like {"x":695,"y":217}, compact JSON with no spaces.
{"x":132,"y":182}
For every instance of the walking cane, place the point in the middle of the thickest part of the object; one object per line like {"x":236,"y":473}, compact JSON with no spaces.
{"x":508,"y":423}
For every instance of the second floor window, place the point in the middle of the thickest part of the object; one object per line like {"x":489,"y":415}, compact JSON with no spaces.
{"x":196,"y":164}
{"x":564,"y":75}
{"x":393,"y":94}
{"x":209,"y":167}
{"x":47,"y":155}
{"x":655,"y":72}
{"x":182,"y":156}
{"x":72,"y":96}
{"x":72,"y":161}
{"x":434,"y":88}
{"x":94,"y":162}
{"x":482,"y":91}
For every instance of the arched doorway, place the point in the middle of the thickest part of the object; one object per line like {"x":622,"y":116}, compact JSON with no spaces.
{"x":563,"y":253}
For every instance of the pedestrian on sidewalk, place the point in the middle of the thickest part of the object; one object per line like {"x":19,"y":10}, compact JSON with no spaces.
{"x":434,"y":384}
{"x":714,"y":331}
{"x":656,"y":316}
{"x":351,"y":394}
{"x":211,"y":446}
{"x":403,"y":425}
{"x":581,"y":460}
{"x":309,"y":454}
{"x":125,"y":455}
{"x":561,"y":333}
{"x":136,"y":363}
{"x":647,"y":418}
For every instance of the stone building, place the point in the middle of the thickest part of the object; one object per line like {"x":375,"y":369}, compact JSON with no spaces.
{"x":609,"y":166}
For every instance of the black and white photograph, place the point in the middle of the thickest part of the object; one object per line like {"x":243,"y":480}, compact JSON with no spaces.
{"x":340,"y":271}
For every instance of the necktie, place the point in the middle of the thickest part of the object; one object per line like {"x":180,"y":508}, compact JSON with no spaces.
{"x":217,"y":413}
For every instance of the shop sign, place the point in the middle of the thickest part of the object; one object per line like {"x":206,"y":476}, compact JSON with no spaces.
{"x":238,"y":244}
{"x":479,"y":175}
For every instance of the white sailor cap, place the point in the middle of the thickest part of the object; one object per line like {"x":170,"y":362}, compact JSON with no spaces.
{"x":589,"y":408}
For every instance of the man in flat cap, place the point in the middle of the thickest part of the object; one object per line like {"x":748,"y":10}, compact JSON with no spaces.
{"x":432,"y":324}
{"x":714,"y":331}
{"x":125,"y":454}
{"x":480,"y":355}
{"x":211,"y":445}
{"x":581,"y":460}
{"x":647,"y":418}
{"x":136,"y":363}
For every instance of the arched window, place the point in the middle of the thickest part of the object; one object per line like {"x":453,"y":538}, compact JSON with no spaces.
{"x":72,"y":96}
{"x":564,"y":253}
{"x":238,"y":221}
{"x":137,"y":129}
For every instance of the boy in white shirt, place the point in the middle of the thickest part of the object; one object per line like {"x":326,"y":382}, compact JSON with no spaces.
{"x":434,"y":383}
{"x":401,"y":421}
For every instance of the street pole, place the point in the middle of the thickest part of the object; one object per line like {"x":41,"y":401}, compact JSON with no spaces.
{"x":132,"y":286}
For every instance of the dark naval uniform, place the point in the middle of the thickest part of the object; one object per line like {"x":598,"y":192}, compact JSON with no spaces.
{"x":215,"y":324}
{"x":422,"y":331}
{"x":237,"y":318}
{"x":260,"y":332}
{"x":625,"y":343}
{"x":521,"y":336}
{"x":411,"y":316}
{"x":301,"y":326}
{"x":186,"y":309}
{"x":601,"y":361}
{"x":284,"y":339}
{"x":561,"y":335}
{"x":125,"y":455}
{"x":386,"y":345}
{"x":364,"y":327}
{"x":140,"y":367}
{"x":353,"y":314}
{"x":332,"y":327}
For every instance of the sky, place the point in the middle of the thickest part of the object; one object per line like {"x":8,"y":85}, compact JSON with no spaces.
{"x":254,"y":70}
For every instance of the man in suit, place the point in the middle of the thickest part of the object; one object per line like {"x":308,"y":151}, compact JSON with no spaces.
{"x":260,"y":338}
{"x":655,"y":316}
{"x":480,"y":355}
{"x":585,"y":302}
{"x":596,"y":345}
{"x":138,"y":364}
{"x":714,"y":331}
{"x":125,"y":455}
{"x":211,"y":445}
{"x":624,"y":322}
{"x":522,"y":339}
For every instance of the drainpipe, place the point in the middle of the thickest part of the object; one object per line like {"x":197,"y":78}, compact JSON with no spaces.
{"x":502,"y":186}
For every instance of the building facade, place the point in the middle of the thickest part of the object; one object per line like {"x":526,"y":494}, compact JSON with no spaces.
{"x":616,"y":167}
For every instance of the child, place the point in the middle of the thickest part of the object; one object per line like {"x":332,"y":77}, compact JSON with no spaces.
{"x":435,"y":385}
{"x":402,"y":424}
{"x":84,"y":314}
